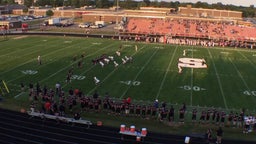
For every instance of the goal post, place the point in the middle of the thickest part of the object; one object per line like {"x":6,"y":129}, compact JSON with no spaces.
{"x":4,"y":88}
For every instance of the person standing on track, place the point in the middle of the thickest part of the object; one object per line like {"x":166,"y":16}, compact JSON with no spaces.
{"x":219,"y":134}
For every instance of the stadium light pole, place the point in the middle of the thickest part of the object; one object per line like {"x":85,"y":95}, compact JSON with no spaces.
{"x":117,"y":5}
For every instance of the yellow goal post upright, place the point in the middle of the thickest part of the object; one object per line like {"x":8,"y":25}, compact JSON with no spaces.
{"x":4,"y":88}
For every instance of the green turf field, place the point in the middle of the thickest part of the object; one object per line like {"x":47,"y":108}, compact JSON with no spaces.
{"x":228,"y":82}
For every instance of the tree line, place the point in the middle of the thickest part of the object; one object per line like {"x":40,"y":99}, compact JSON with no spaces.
{"x":132,"y":4}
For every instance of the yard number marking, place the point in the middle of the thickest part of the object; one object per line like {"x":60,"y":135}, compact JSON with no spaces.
{"x":249,"y":93}
{"x":77,"y":77}
{"x":194,"y":88}
{"x":96,"y":43}
{"x":159,"y":47}
{"x":67,"y":41}
{"x":133,"y":83}
{"x":29,"y":72}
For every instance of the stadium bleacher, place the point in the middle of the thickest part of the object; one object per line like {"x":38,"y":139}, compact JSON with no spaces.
{"x":191,"y":28}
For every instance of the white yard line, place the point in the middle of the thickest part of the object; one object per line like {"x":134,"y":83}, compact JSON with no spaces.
{"x":166,"y":72}
{"x":240,"y":75}
{"x":142,"y":68}
{"x":20,"y":50}
{"x":218,"y":79}
{"x":29,"y":61}
{"x":191,"y":86}
{"x":53,"y":52}
{"x":87,"y":70}
{"x":19,"y":94}
{"x":102,"y":81}
{"x":253,"y":65}
{"x":191,"y":81}
{"x":110,"y":74}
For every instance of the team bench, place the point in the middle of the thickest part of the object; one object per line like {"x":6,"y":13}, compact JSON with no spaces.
{"x":59,"y":118}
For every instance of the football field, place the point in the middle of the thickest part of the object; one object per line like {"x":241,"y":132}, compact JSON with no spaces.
{"x":228,"y":82}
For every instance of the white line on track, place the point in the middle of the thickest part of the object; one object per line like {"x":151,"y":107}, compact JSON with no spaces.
{"x":218,"y":79}
{"x":166,"y":72}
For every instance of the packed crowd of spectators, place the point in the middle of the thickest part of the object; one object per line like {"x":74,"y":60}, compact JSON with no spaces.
{"x":224,"y":33}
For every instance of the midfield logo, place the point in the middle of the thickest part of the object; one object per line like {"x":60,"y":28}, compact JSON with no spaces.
{"x":191,"y":63}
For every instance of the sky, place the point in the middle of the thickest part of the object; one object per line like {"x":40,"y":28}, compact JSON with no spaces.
{"x":246,"y":3}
